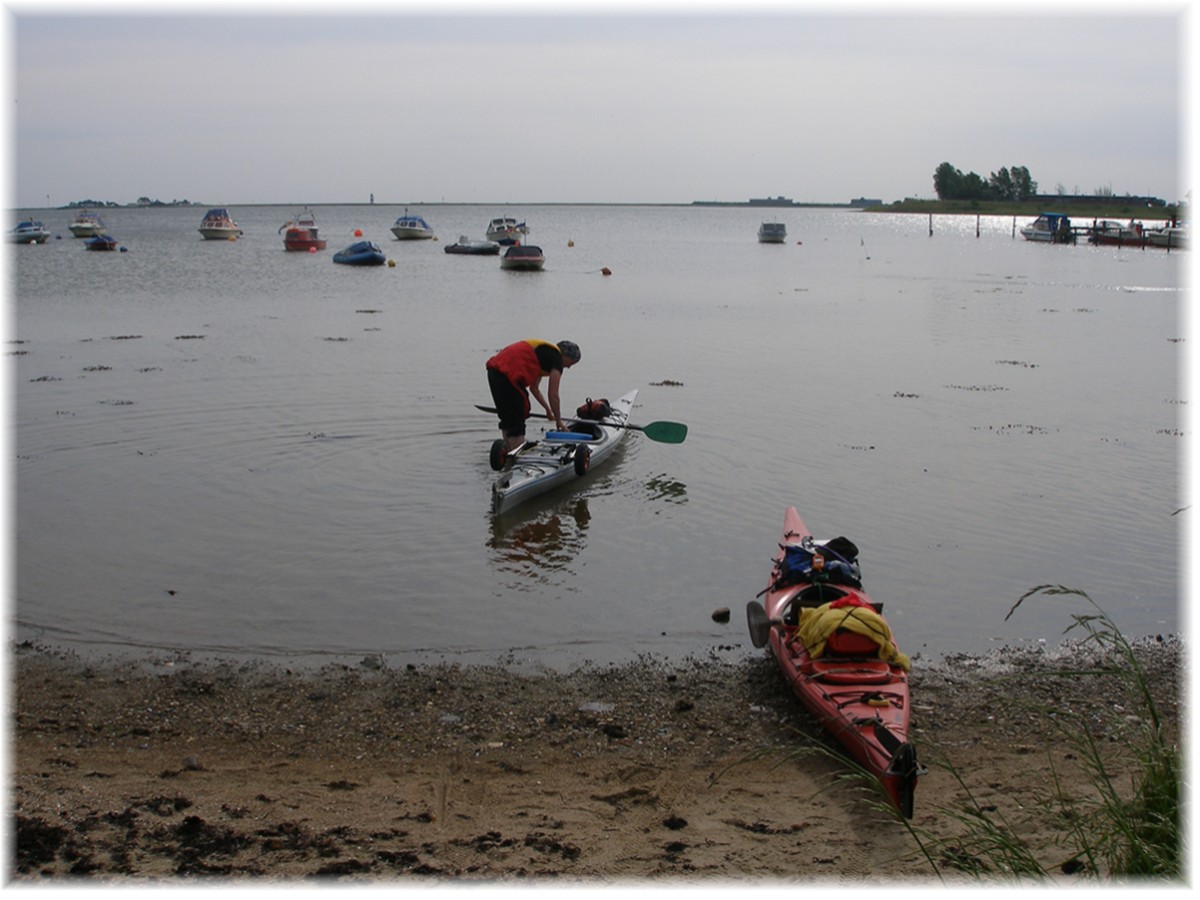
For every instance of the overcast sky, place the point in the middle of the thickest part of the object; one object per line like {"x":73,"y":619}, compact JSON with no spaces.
{"x":481,"y":105}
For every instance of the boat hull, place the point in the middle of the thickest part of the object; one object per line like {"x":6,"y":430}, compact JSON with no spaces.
{"x":1171,"y":238}
{"x":360,"y":255}
{"x":524,"y":264}
{"x":411,"y":234}
{"x":861,"y":700}
{"x":551,"y":462}
{"x":474,"y":248}
{"x":29,"y":233}
{"x":220,"y":233}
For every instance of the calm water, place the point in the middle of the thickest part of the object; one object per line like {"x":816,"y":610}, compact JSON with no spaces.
{"x":223,"y":447}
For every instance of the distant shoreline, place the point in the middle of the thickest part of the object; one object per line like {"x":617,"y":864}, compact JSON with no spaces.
{"x":1114,"y":208}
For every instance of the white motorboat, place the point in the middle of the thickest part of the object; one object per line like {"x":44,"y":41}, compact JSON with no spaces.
{"x":506,"y":230}
{"x":218,"y":225}
{"x":1170,"y":236}
{"x":1049,"y":228}
{"x":411,"y":228}
{"x":29,"y":232}
{"x":86,"y":224}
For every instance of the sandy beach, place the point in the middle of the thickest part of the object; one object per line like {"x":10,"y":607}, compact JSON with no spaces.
{"x":179,"y":769}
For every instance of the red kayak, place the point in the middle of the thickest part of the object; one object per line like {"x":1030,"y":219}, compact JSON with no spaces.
{"x":837,"y":652}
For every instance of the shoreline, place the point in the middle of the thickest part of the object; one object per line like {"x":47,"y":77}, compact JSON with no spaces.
{"x":141,"y":770}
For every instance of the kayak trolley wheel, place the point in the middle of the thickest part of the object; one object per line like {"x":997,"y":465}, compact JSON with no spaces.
{"x":498,"y":454}
{"x":583,"y":461}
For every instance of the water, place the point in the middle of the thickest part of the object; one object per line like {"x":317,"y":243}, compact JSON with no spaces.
{"x":226,"y":448}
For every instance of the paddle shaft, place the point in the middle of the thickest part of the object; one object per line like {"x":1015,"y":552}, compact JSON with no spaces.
{"x":666,"y":432}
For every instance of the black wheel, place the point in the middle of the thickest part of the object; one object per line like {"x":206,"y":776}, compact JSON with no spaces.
{"x":498,"y":454}
{"x":583,"y":461}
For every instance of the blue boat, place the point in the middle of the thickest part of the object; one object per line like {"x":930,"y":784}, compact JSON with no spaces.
{"x":101,"y":242}
{"x":362,"y":253}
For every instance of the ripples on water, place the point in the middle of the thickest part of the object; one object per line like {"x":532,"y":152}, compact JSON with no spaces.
{"x":225,"y":447}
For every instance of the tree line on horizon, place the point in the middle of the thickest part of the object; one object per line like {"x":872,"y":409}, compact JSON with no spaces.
{"x":1007,"y":184}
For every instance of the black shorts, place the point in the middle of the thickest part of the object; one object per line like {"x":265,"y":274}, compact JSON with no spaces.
{"x":512,"y":403}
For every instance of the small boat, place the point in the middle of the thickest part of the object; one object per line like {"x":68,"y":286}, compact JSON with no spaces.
{"x":301,"y":233}
{"x":836,"y":651}
{"x":1170,"y":236}
{"x":1049,"y":228}
{"x":559,"y":457}
{"x":1109,"y":233}
{"x":506,"y":230}
{"x":101,"y":242}
{"x":523,"y":258}
{"x":86,"y":224}
{"x":772,"y":233}
{"x":411,"y":228}
{"x":29,"y":232}
{"x":361,"y":253}
{"x":473,"y":247}
{"x":218,"y":225}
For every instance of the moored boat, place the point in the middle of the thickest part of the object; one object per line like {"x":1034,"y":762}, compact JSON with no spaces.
{"x":1110,"y":233}
{"x":772,"y":233}
{"x":218,"y":225}
{"x":836,"y":650}
{"x":86,"y":224}
{"x":558,"y":457}
{"x":523,"y":258}
{"x":506,"y":230}
{"x":100,"y":242}
{"x":1049,"y":228}
{"x":360,"y":253}
{"x":411,"y":228}
{"x":301,"y":233}
{"x":473,"y":247}
{"x":1170,"y":236}
{"x":29,"y":232}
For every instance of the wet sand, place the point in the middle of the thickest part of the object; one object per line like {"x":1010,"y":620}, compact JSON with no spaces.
{"x":178,"y":769}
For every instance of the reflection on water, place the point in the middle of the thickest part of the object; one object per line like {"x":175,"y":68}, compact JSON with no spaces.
{"x":552,"y":541}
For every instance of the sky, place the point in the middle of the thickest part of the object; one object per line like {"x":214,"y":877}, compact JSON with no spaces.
{"x":617,"y":103}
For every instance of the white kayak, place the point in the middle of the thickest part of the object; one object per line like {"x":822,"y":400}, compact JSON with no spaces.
{"x":558,"y":457}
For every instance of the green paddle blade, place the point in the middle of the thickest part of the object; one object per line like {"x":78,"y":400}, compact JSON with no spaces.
{"x":665,"y":432}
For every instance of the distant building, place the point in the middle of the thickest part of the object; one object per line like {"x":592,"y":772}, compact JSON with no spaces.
{"x":772,"y":201}
{"x":866,"y":201}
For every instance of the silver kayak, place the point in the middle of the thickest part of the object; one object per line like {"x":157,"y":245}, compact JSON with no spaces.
{"x":559,"y":457}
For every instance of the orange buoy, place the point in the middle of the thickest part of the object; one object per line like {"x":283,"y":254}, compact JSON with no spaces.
{"x":312,"y":249}
{"x":358,"y":232}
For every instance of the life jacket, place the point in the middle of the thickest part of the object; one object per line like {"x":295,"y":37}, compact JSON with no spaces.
{"x":519,"y":363}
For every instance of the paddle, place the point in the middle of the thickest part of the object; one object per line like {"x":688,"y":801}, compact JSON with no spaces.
{"x":760,"y":625}
{"x":663,"y":432}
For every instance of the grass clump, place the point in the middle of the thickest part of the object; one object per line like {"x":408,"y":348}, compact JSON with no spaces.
{"x":1121,"y":829}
